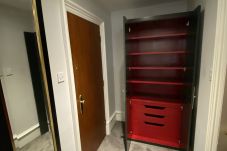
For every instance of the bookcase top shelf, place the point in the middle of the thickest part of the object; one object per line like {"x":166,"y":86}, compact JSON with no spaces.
{"x":161,"y":36}
{"x":158,"y":82}
{"x":155,"y":98}
{"x":158,"y":17}
{"x":159,"y":68}
{"x":137,"y":53}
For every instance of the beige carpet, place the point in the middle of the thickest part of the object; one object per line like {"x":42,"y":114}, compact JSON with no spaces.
{"x":114,"y":142}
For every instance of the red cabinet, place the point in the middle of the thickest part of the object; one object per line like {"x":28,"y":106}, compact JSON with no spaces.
{"x":155,"y":121}
{"x":162,"y":63}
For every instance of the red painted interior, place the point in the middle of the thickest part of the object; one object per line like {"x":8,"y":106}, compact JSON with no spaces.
{"x":157,"y":45}
{"x":157,"y":82}
{"x":158,"y":36}
{"x":161,"y":73}
{"x":164,"y":91}
{"x":153,"y":121}
{"x":159,"y":69}
{"x":159,"y":60}
{"x":158,"y":27}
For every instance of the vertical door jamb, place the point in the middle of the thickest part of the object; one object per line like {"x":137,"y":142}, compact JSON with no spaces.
{"x":218,"y":78}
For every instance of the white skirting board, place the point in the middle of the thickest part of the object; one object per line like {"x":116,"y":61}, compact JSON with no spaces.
{"x":120,"y":116}
{"x":33,"y":132}
{"x":116,"y":116}
{"x":27,"y":136}
{"x":110,"y":123}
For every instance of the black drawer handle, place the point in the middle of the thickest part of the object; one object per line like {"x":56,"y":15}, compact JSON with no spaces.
{"x":154,"y":107}
{"x":154,"y":124}
{"x":154,"y":115}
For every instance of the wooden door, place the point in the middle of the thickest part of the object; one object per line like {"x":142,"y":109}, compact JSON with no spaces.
{"x":87,"y":65}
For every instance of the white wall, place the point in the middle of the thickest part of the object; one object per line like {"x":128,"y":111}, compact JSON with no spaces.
{"x":209,"y":31}
{"x":52,"y":14}
{"x":18,"y":88}
{"x":224,"y":109}
{"x":222,"y":146}
{"x":118,"y":41}
{"x":193,"y":3}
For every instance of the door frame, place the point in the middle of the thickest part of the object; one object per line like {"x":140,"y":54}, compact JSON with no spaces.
{"x":4,"y":119}
{"x":218,"y":78}
{"x":72,"y":7}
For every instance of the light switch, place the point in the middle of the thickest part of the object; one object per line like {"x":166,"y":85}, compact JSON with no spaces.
{"x":1,"y":73}
{"x":210,"y":74}
{"x":60,"y":76}
{"x":7,"y":72}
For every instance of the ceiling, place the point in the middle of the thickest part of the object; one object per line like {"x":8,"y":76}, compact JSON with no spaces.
{"x":113,"y":5}
{"x":20,"y":4}
{"x":110,"y":5}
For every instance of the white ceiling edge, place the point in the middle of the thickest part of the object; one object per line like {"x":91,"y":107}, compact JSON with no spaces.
{"x":117,"y":5}
{"x":23,"y":5}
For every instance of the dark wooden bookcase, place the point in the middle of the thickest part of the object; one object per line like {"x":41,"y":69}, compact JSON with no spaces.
{"x":162,"y":63}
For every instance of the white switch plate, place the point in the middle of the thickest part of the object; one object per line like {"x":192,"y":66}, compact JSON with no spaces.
{"x":7,"y":71}
{"x":210,"y":74}
{"x":60,"y":76}
{"x":1,"y":73}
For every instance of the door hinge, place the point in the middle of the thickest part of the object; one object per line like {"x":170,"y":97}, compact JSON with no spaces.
{"x":182,"y":108}
{"x":130,"y":102}
{"x":194,"y":97}
{"x":179,"y":142}
{"x":188,"y":23}
{"x":129,"y":29}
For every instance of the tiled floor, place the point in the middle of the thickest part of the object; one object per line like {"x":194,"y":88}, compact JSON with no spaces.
{"x":114,"y":142}
{"x":42,"y":143}
{"x":222,"y":145}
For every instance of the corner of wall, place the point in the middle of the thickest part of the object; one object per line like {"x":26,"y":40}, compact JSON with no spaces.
{"x":192,"y":4}
{"x":117,"y":116}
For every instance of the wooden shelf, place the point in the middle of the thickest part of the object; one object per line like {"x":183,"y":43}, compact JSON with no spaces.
{"x":137,"y":53}
{"x":159,"y":68}
{"x":155,"y":98}
{"x":158,"y":82}
{"x":154,"y":141}
{"x":174,"y":35}
{"x":161,"y":58}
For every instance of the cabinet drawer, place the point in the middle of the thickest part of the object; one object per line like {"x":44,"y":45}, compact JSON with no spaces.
{"x":155,"y":122}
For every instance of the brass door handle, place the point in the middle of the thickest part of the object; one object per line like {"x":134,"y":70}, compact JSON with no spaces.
{"x":82,"y":102}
